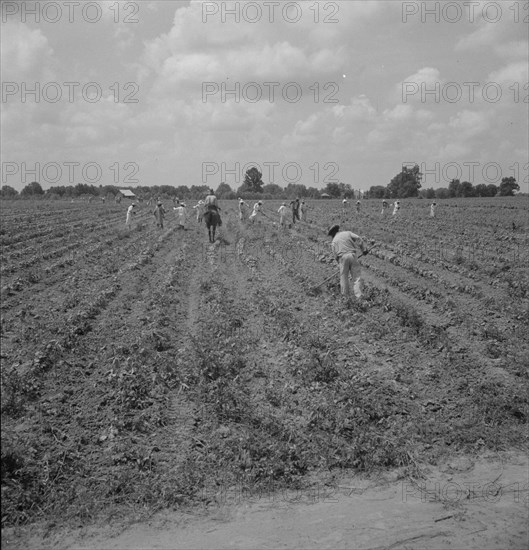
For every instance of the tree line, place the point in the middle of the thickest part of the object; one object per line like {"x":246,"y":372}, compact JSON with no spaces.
{"x":405,"y":184}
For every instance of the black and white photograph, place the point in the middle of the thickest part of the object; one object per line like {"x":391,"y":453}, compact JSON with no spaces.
{"x":264,"y":274}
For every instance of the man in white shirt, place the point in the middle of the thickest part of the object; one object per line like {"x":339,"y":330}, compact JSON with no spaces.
{"x":345,"y":245}
{"x":131,"y":211}
{"x":200,"y":210}
{"x":283,"y":213}
{"x":181,"y":214}
{"x":303,"y":211}
{"x":256,"y":210}
{"x":243,"y":209}
{"x":433,"y":206}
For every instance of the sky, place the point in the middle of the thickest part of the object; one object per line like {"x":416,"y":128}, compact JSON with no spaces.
{"x":313,"y":92}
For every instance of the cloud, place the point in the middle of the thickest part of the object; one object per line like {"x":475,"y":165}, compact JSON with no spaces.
{"x":517,"y":72}
{"x":26,"y":54}
{"x":415,"y":87}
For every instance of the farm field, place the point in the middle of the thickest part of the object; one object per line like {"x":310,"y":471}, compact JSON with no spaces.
{"x":146,"y":370}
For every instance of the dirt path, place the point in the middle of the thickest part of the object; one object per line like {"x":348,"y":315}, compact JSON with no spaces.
{"x":464,"y":503}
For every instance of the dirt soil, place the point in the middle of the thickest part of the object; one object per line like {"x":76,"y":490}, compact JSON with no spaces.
{"x":153,"y":384}
{"x":465,"y":503}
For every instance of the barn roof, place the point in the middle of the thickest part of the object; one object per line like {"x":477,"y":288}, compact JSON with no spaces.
{"x":127,"y":193}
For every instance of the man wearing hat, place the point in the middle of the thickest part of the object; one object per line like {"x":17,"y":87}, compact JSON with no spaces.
{"x":211,"y":204}
{"x":200,"y":210}
{"x":433,"y":206}
{"x":243,"y":209}
{"x":303,"y":211}
{"x":181,"y":214}
{"x":159,"y":214}
{"x":344,"y":207}
{"x":256,"y":210}
{"x":295,"y":210}
{"x":131,"y":211}
{"x":345,"y":245}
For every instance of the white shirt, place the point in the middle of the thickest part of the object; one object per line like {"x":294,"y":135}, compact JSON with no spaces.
{"x":346,"y":242}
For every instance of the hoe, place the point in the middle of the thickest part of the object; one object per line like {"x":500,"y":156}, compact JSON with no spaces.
{"x":337,"y":272}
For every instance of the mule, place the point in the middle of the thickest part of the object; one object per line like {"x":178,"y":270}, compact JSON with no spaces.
{"x":212,"y":219}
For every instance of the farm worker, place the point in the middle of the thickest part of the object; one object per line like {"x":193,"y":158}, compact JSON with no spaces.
{"x":211,"y":204}
{"x":130,"y":212}
{"x":256,"y":210}
{"x":344,"y":207}
{"x":432,"y":209}
{"x":200,"y":210}
{"x":159,"y":214}
{"x":396,"y":207}
{"x":243,"y":206}
{"x":345,"y":245}
{"x":181,"y":214}
{"x":385,"y":206}
{"x":283,"y":212}
{"x":295,"y":210}
{"x":303,"y":211}
{"x":358,"y":206}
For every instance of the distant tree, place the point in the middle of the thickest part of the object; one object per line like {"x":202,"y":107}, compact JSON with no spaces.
{"x":454,"y":188}
{"x":484,"y":190}
{"x":273,"y":189}
{"x":429,"y":193}
{"x":492,"y":190}
{"x":467,"y":189}
{"x":85,"y":189}
{"x":106,"y":190}
{"x":406,"y":183}
{"x":508,"y":186}
{"x":253,"y":182}
{"x":338,"y":190}
{"x":181,"y":191}
{"x":333,"y":189}
{"x":224,"y":191}
{"x":442,"y":193}
{"x":313,"y":193}
{"x":198,"y":191}
{"x":294,"y":190}
{"x":168,"y":190}
{"x":346,"y":190}
{"x":8,"y":192}
{"x":377,"y":192}
{"x":31,"y":190}
{"x":481,"y":190}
